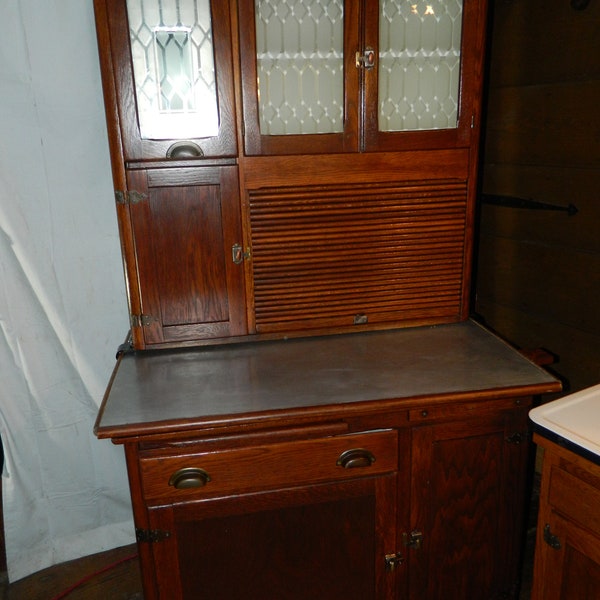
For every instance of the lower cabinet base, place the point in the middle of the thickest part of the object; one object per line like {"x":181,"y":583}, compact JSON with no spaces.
{"x":432,"y":510}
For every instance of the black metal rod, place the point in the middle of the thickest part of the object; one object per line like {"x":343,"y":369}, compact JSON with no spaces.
{"x":513,"y":202}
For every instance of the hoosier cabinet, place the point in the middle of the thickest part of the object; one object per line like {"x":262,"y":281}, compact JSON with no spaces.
{"x":306,"y":408}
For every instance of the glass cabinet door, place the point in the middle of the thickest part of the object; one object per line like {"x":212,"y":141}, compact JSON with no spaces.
{"x":174,"y":81}
{"x":299,"y":84}
{"x":359,"y":75}
{"x":420,"y":93}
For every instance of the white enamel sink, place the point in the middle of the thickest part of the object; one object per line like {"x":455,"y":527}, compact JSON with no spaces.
{"x":574,"y":418}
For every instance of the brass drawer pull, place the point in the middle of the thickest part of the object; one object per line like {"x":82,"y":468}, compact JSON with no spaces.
{"x":355,"y":458}
{"x":189,"y":477}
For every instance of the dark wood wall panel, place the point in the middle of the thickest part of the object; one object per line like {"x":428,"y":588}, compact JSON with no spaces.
{"x":538,"y":271}
{"x":331,"y":256}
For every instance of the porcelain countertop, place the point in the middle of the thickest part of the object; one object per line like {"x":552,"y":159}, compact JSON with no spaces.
{"x":572,"y":421}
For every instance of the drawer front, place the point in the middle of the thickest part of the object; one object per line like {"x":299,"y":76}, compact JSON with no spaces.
{"x":575,"y":498}
{"x":269,"y":466}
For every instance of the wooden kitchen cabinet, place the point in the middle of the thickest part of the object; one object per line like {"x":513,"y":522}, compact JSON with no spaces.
{"x":567,"y":553}
{"x":306,"y":409}
{"x":353,"y":127}
{"x":377,"y":465}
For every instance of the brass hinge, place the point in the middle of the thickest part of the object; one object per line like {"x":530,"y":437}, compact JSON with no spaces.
{"x":151,"y":535}
{"x":393,"y":560}
{"x":129,"y":197}
{"x":141,"y":320}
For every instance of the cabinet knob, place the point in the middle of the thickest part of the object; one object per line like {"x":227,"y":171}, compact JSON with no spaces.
{"x":355,"y":458}
{"x":189,"y":477}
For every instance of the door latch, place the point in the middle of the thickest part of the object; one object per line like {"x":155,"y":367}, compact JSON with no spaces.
{"x":366,"y":59}
{"x":238,"y":255}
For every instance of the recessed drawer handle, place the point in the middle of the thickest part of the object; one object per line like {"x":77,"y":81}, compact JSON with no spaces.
{"x":355,"y":458}
{"x":184,"y":150}
{"x":189,"y":477}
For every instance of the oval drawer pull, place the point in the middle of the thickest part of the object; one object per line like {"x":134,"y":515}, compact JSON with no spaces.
{"x":355,"y":458}
{"x":189,"y":477}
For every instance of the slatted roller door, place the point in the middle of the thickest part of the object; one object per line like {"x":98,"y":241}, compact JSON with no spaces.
{"x":356,"y":255}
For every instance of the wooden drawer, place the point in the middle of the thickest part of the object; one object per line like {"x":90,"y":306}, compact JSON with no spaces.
{"x":269,"y":466}
{"x":575,"y":498}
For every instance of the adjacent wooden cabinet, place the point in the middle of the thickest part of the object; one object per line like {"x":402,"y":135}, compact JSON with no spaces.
{"x":344,"y":138}
{"x":567,"y":554}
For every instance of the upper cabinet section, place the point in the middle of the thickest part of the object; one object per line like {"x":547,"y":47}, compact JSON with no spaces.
{"x":359,"y":75}
{"x":171,"y":87}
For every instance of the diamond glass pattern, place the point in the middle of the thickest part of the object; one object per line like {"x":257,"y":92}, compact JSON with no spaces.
{"x":300,"y":66}
{"x":419,"y":64}
{"x":174,"y":70}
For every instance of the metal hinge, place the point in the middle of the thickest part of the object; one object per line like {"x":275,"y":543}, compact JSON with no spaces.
{"x":516,"y":438}
{"x":413,"y":540}
{"x":552,"y":540}
{"x":129,"y":197}
{"x":151,"y":535}
{"x":393,"y":560}
{"x":141,"y":320}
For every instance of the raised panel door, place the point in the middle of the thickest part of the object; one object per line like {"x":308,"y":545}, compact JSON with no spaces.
{"x":323,"y":542}
{"x":567,"y":561}
{"x":467,"y":501}
{"x":184,"y":226}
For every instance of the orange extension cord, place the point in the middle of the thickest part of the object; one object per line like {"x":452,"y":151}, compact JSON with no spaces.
{"x":87,"y":578}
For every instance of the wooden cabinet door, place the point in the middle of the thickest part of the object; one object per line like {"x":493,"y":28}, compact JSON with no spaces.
{"x":168,"y":78}
{"x":323,"y":542}
{"x":567,"y":551}
{"x":467,"y":501}
{"x":569,"y":561}
{"x":181,"y":227}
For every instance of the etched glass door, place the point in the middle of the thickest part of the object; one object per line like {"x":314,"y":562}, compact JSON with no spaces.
{"x":174,"y":68}
{"x":419,"y":64}
{"x":300,"y":66}
{"x":299,"y":81}
{"x":422,"y":89}
{"x":172,"y":74}
{"x":378,"y":74}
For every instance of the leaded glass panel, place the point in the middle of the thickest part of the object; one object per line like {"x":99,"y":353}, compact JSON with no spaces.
{"x":419,"y":64}
{"x":300,"y":66}
{"x":174,"y":68}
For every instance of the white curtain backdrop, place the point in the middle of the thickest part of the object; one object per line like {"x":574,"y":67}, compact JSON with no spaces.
{"x":62,"y":301}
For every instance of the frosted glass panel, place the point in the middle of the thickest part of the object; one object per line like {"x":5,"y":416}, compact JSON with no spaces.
{"x":419,"y":64}
{"x":300,"y":66}
{"x":174,"y":68}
